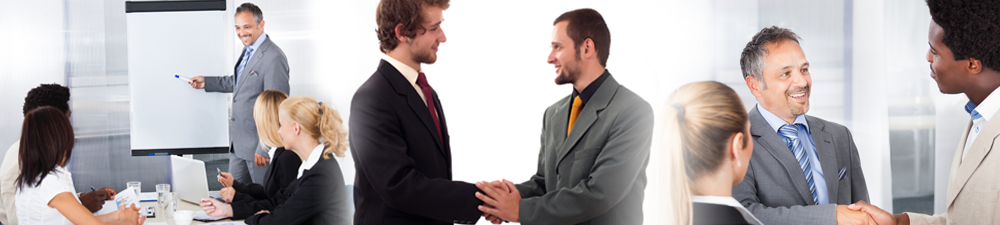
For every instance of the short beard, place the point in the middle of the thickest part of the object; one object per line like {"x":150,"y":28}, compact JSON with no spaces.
{"x":567,"y":76}
{"x":794,"y":108}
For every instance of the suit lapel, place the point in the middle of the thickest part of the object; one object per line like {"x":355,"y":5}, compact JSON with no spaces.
{"x":775,"y":147}
{"x":254,"y":58}
{"x":588,"y":115}
{"x":403,"y":87}
{"x":827,"y":155}
{"x":981,"y":147}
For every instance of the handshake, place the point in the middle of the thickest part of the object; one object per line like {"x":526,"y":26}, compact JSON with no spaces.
{"x":501,"y":201}
{"x":864,"y":213}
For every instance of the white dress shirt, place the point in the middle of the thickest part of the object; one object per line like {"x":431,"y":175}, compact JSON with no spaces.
{"x":311,"y":161}
{"x":33,"y":202}
{"x":981,"y":114}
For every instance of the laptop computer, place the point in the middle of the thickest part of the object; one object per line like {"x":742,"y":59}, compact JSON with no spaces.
{"x":189,"y":180}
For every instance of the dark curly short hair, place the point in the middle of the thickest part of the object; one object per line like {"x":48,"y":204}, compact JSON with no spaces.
{"x":971,"y":28}
{"x":47,"y":95}
{"x":409,"y":13}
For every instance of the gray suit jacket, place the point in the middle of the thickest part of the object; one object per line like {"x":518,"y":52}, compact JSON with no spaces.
{"x":973,"y":186}
{"x":603,"y":162}
{"x":774,"y":188}
{"x":267,"y":69}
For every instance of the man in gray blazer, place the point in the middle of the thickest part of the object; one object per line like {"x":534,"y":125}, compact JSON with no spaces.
{"x":261,"y":66}
{"x":804,"y":170}
{"x":595,"y":142}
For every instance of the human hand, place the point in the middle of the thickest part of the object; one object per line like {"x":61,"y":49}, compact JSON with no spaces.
{"x":853,"y":217}
{"x":197,"y":82}
{"x":126,"y":215}
{"x":880,"y":216}
{"x":261,"y":161}
{"x":503,"y":201}
{"x":216,"y":208}
{"x":226,"y":179}
{"x":111,"y":192}
{"x":262,"y":212}
{"x":227,"y":193}
{"x":94,"y":200}
{"x":493,"y":219}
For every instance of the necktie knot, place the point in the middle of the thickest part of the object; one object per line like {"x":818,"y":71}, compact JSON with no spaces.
{"x":422,"y":80}
{"x":789,"y":131}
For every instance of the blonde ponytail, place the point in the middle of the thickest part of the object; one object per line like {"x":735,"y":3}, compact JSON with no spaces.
{"x":325,"y":123}
{"x":699,"y":119}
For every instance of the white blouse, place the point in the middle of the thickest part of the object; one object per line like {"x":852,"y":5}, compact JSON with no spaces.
{"x":33,"y":202}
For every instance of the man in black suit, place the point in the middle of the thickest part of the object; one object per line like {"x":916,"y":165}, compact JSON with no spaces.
{"x":399,"y":134}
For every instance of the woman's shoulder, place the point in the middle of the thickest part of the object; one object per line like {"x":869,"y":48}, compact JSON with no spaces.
{"x":708,"y":213}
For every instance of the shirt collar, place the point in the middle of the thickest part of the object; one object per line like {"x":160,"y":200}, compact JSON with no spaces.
{"x":311,"y":161}
{"x":776,"y":122}
{"x":407,"y":71}
{"x":256,"y":44}
{"x":591,"y":88}
{"x":718,"y":200}
{"x":985,"y":109}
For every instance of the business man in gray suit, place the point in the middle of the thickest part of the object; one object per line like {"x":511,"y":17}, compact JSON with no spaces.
{"x":595,"y":142}
{"x":803,"y":170}
{"x":261,"y":66}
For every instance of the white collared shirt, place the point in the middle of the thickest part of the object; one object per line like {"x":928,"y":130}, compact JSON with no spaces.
{"x":985,"y":109}
{"x":409,"y":73}
{"x":311,"y":161}
{"x":726,"y":201}
{"x":270,"y":153}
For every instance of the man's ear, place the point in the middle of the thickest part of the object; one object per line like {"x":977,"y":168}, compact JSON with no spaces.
{"x":975,"y":65}
{"x":588,"y":49}
{"x":261,"y":25}
{"x":753,"y":84}
{"x":399,"y":35}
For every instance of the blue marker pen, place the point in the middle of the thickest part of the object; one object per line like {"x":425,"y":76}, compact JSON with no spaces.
{"x":182,"y":78}
{"x":92,"y":188}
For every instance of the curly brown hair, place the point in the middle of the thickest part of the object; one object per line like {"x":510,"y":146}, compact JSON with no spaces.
{"x":409,"y":13}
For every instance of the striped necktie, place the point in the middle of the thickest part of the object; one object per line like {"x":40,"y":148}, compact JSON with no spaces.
{"x":243,"y":64}
{"x":791,"y":134}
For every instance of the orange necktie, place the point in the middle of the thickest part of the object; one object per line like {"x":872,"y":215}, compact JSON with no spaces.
{"x":574,"y":113}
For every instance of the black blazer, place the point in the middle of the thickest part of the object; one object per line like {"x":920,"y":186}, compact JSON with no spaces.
{"x":284,"y":167}
{"x":705,"y":213}
{"x":318,"y":197}
{"x":403,"y":167}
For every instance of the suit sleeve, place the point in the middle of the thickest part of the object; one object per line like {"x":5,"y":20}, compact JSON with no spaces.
{"x":254,"y":190}
{"x":859,"y":188}
{"x":222,"y":84}
{"x":381,"y":153}
{"x":623,"y":157}
{"x":311,"y":198}
{"x":535,"y":186}
{"x":746,"y":193}
{"x":923,"y":219}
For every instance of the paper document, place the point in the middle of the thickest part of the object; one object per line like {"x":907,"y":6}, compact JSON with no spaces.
{"x":147,"y":197}
{"x":200,"y":215}
{"x":124,"y":198}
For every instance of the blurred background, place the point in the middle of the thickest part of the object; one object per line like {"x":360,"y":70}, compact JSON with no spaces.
{"x":868,"y":68}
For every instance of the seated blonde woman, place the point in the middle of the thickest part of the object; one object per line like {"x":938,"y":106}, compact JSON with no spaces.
{"x":284,"y":163}
{"x":708,"y":147}
{"x":318,"y":194}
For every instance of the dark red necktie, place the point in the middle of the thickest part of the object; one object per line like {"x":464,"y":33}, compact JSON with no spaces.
{"x":428,"y":95}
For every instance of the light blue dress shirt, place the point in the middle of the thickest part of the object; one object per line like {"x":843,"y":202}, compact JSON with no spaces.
{"x":810,"y":149}
{"x":251,"y":49}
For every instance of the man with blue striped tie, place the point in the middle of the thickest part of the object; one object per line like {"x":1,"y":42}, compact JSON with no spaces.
{"x":803,"y":170}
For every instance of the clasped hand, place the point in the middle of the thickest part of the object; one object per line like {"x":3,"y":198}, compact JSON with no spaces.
{"x":501,"y":201}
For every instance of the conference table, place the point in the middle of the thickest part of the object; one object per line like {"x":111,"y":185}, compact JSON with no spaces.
{"x":184,"y":205}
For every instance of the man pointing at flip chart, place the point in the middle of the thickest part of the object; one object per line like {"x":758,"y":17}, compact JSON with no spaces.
{"x":261,"y":66}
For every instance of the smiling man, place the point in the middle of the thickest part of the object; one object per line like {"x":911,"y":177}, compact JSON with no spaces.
{"x":803,"y":170}
{"x":595,"y":141}
{"x":261,"y":66}
{"x":399,"y":132}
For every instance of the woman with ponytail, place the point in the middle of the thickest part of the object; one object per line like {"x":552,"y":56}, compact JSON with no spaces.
{"x":284,"y":163}
{"x":315,"y":132}
{"x":708,"y":147}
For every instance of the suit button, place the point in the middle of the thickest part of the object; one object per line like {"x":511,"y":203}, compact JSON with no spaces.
{"x":234,"y":100}
{"x":559,"y":177}
{"x":234,"y":119}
